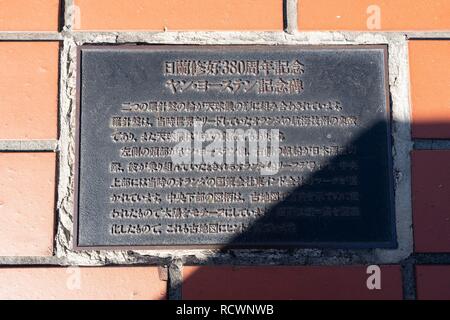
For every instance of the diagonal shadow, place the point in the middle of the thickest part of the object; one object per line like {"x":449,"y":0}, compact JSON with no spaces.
{"x":378,"y":172}
{"x":346,"y":203}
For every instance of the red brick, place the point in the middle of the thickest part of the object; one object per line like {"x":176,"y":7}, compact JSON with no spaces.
{"x":28,"y":90}
{"x":433,"y":282}
{"x":429,"y":62}
{"x":29,"y":15}
{"x":90,"y":283}
{"x":27,"y":201}
{"x":431,"y":200}
{"x":273,"y":283}
{"x":353,"y":15}
{"x":179,"y":15}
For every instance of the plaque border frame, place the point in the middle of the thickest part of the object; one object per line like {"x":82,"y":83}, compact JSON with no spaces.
{"x":349,"y":246}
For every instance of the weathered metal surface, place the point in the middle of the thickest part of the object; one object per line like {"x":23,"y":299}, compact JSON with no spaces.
{"x":332,"y":188}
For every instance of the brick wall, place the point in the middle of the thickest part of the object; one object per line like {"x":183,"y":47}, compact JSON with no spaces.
{"x":38,"y":40}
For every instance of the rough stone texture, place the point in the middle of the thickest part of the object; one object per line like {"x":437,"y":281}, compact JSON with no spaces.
{"x":398,"y":80}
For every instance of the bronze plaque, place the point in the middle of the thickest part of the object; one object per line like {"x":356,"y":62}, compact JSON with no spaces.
{"x":233,"y":146}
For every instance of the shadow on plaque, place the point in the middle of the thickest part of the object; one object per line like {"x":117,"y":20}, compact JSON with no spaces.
{"x":328,"y":223}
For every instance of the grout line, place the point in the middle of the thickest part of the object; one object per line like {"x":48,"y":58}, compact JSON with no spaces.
{"x":32,"y":261}
{"x":69,"y":11}
{"x":33,"y":145}
{"x":31,"y":36}
{"x":432,"y":258}
{"x":175,"y":280}
{"x":428,"y":35}
{"x":290,"y":11}
{"x":409,"y":280}
{"x":424,"y":144}
{"x":181,"y":37}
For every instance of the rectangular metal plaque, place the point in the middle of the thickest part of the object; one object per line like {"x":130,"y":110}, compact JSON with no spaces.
{"x":233,"y":146}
